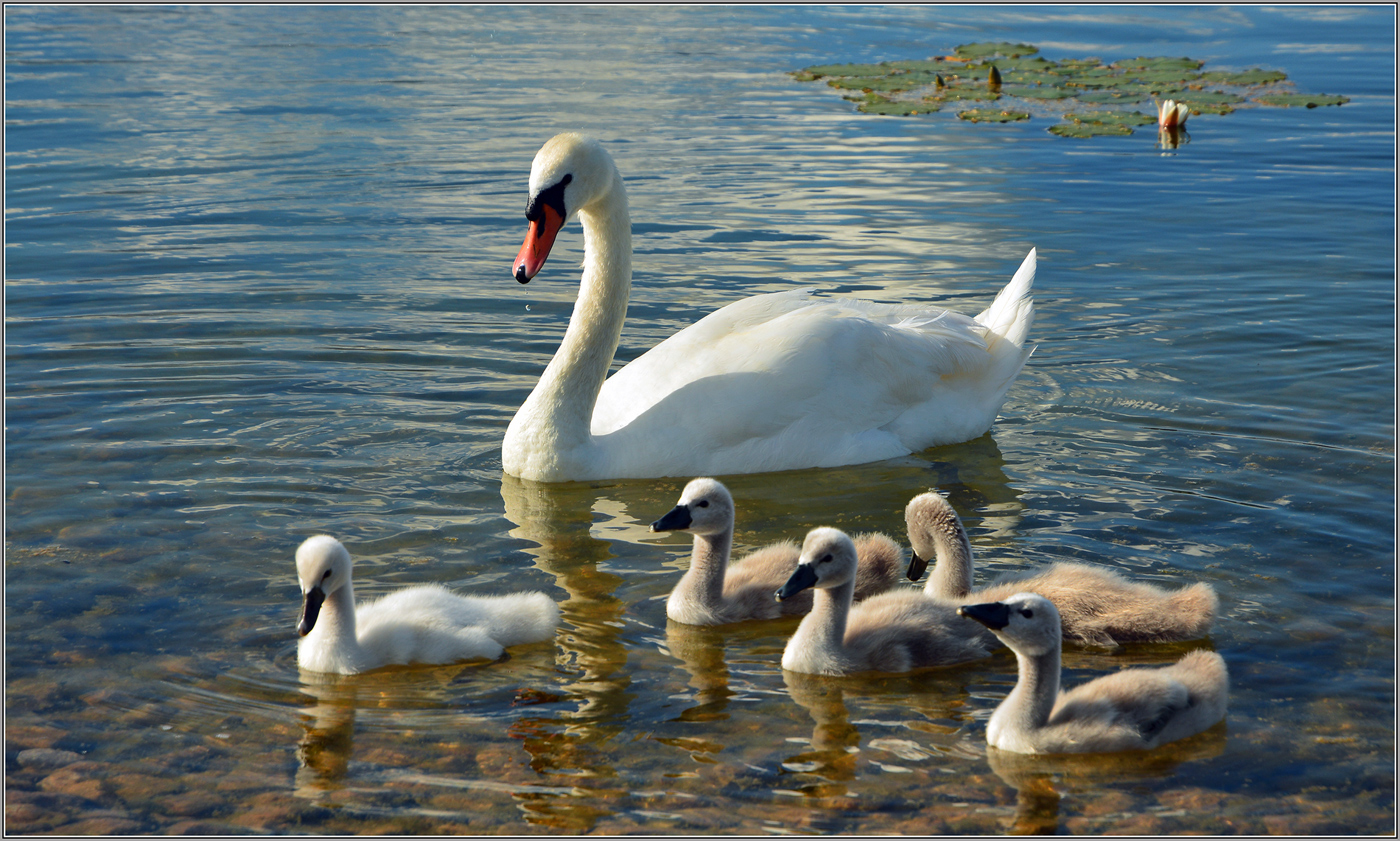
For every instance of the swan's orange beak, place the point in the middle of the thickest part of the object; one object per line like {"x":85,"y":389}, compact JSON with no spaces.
{"x":538,"y":240}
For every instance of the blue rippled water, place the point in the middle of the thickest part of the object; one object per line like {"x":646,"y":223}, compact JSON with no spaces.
{"x":257,"y":286}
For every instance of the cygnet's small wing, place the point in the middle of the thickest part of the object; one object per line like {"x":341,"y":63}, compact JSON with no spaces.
{"x":432,"y":614}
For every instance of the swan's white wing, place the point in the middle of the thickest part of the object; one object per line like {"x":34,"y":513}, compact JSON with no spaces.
{"x":786,"y":380}
{"x":684,"y":356}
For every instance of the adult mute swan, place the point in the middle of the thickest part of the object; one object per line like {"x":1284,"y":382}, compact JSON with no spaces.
{"x":1097,"y":606}
{"x":422,"y":624}
{"x":1135,"y":709}
{"x":715,"y":592}
{"x":751,"y":387}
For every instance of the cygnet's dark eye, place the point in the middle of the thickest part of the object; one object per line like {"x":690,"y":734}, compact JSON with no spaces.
{"x":327,"y":575}
{"x":823,"y":559}
{"x":1026,"y":612}
{"x":704,"y":503}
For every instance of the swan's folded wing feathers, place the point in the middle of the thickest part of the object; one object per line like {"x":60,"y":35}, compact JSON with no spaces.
{"x":1144,"y":699}
{"x":817,"y":343}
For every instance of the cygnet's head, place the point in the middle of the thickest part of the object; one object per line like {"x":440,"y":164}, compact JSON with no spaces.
{"x":930,"y":518}
{"x":828,"y":560}
{"x":323,"y":566}
{"x":1027,"y":622}
{"x":570,"y":172}
{"x":705,"y":508}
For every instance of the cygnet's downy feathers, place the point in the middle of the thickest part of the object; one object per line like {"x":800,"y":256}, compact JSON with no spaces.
{"x":715,"y":591}
{"x":1097,"y":606}
{"x":1134,"y":709}
{"x":890,"y":632}
{"x":424,"y":624}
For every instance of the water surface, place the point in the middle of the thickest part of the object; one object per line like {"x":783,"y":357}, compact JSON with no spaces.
{"x":257,"y":287}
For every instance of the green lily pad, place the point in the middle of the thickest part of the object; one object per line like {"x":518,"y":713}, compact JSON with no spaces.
{"x":1074,"y":65}
{"x":1030,"y":77}
{"x":1073,"y":129}
{"x":895,"y":108}
{"x":976,"y":72}
{"x":1033,"y":63}
{"x":1210,"y":102}
{"x":986,"y":48}
{"x":1139,"y":91}
{"x":1211,"y":97}
{"x":1110,"y":96}
{"x":964,"y":95}
{"x":924,"y":65}
{"x":1159,"y":63}
{"x":888,"y":84}
{"x":1092,"y":83}
{"x":1300,"y":100}
{"x":1157,"y":77}
{"x":1121,"y":118}
{"x":1043,"y":92}
{"x":818,"y":70}
{"x":992,"y":115}
{"x":1248,"y":77}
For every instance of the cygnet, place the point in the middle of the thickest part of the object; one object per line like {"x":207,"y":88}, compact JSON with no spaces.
{"x":1097,"y":606}
{"x":714,"y":591}
{"x":424,"y":624}
{"x":1135,"y":709}
{"x":890,"y":632}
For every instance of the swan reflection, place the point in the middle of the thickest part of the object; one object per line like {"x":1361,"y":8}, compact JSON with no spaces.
{"x":1042,"y":781}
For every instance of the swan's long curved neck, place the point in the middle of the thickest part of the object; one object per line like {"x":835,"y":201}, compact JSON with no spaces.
{"x":562,"y":402}
{"x":951,"y":577}
{"x":336,"y":624}
{"x":1027,"y":708}
{"x":824,"y":628}
{"x":709,"y":560}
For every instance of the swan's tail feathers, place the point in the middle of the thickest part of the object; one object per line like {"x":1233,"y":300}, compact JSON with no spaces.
{"x":1010,"y":315}
{"x":521,"y":618}
{"x":1194,"y":609}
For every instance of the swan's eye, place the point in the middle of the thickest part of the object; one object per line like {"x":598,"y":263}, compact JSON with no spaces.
{"x":704,"y":503}
{"x":327,"y":575}
{"x":1026,"y":612}
{"x":823,"y":559}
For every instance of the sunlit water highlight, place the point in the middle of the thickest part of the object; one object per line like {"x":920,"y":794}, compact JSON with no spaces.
{"x":257,"y":286}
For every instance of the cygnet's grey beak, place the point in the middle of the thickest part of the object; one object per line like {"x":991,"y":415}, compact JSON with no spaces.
{"x":803,"y":577}
{"x":917,"y":566}
{"x":676,"y":519}
{"x":994,"y":615}
{"x":310,"y":609}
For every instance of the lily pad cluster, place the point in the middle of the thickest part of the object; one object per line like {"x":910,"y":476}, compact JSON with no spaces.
{"x":1019,"y":81}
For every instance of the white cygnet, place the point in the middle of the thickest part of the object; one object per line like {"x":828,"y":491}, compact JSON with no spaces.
{"x":715,"y":591}
{"x":1097,"y":606}
{"x":424,"y":624}
{"x":1135,"y":709}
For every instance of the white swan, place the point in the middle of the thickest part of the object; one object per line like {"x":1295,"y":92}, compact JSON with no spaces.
{"x":1135,"y":709}
{"x":1097,"y":606}
{"x":423,"y":624}
{"x":748,"y":388}
{"x":715,"y":592}
{"x":892,"y":632}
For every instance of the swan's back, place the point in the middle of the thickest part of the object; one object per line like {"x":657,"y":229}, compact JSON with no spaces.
{"x":431,"y":624}
{"x":904,"y":630}
{"x":1140,"y":708}
{"x":757,"y":382}
{"x":750,"y":582}
{"x":1099,"y":606}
